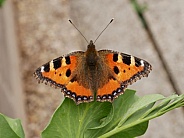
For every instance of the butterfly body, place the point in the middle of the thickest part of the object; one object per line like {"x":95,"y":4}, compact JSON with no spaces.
{"x":102,"y":75}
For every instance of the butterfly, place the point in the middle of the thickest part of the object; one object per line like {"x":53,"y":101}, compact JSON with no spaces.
{"x":93,"y":75}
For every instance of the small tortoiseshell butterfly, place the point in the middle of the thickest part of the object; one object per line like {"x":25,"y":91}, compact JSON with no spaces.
{"x":84,"y":76}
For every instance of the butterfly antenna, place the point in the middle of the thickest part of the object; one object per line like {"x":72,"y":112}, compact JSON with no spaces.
{"x":104,"y":29}
{"x":78,"y":31}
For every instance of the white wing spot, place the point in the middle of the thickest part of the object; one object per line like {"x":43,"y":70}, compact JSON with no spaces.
{"x":142,"y":63}
{"x":42,"y":69}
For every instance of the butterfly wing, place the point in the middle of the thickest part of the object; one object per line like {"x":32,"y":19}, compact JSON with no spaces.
{"x":61,"y":73}
{"x":124,"y":70}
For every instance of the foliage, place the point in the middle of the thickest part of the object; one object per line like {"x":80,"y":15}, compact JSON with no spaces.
{"x":10,"y":128}
{"x":126,"y":117}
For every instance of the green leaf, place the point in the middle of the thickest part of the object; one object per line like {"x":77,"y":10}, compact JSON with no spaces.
{"x":131,"y":132}
{"x":140,"y":105}
{"x":127,"y":117}
{"x":146,"y":110}
{"x":10,"y":128}
{"x":71,"y":120}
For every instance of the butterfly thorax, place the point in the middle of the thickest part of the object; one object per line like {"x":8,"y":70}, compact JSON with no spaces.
{"x":92,"y":69}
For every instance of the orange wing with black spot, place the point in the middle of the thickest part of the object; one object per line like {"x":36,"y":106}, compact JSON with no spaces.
{"x":61,"y":73}
{"x":112,"y":73}
{"x":125,"y":69}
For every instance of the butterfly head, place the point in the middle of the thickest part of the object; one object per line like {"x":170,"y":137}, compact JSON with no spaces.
{"x":91,"y":45}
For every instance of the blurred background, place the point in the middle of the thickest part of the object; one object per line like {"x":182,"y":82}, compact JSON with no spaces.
{"x":33,"y":32}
